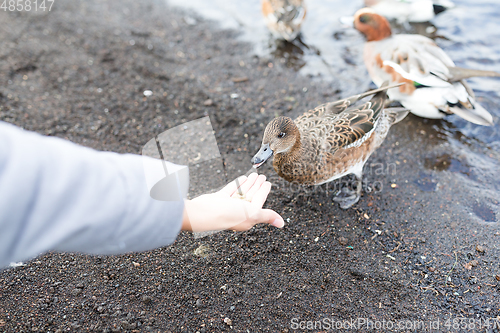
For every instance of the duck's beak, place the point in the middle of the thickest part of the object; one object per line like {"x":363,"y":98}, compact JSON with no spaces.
{"x":347,"y":21}
{"x":262,"y":155}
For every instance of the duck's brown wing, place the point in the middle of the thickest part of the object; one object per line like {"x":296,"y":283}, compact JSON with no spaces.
{"x":348,"y":128}
{"x":333,"y":108}
{"x":354,"y":126}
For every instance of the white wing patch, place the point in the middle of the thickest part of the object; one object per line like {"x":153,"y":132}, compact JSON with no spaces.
{"x":415,"y":75}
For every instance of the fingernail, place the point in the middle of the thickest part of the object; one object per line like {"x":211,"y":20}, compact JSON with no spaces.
{"x":278,"y":223}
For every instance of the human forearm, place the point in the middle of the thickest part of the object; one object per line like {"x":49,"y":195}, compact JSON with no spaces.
{"x":55,"y":195}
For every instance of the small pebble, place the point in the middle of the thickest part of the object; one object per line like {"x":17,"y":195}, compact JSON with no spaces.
{"x":199,"y":303}
{"x":147,"y":299}
{"x":474,"y":263}
{"x":190,"y":20}
{"x":228,"y":321}
{"x":208,"y":102}
{"x":497,"y":277}
{"x":343,"y":241}
{"x":76,"y":291}
{"x":126,"y":325}
{"x":147,"y":93}
{"x":202,"y":251}
{"x":239,"y":79}
{"x":480,"y":249}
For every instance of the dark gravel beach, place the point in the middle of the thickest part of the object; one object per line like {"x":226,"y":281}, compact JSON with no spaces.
{"x":419,"y":248}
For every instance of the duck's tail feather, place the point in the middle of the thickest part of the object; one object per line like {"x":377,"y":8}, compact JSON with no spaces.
{"x":385,"y":86}
{"x":475,"y":114}
{"x":438,"y":9}
{"x":341,"y":105}
{"x":396,"y":114}
{"x":445,"y":3}
{"x":378,"y":101}
{"x":458,"y":73}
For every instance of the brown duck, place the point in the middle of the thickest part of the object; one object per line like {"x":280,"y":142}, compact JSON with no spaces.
{"x":284,"y":17}
{"x":331,"y":141}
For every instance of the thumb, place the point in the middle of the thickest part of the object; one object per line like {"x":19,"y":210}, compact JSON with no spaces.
{"x":271,"y":217}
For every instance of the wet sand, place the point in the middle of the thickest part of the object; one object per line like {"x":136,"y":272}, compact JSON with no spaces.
{"x":408,"y":251}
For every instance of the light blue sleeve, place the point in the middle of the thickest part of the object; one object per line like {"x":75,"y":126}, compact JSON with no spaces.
{"x":56,"y":195}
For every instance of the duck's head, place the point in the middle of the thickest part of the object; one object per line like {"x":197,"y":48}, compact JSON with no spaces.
{"x":372,"y":25}
{"x":280,"y":136}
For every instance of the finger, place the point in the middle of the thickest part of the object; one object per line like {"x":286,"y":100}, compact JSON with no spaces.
{"x":260,"y":197}
{"x":271,"y":217}
{"x":255,"y":187}
{"x":248,"y":184}
{"x":230,"y":188}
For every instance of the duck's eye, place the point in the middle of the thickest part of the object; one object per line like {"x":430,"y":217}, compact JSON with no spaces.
{"x":364,"y":18}
{"x":281,"y":135}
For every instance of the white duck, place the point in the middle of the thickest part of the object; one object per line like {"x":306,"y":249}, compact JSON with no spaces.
{"x":433,"y":86}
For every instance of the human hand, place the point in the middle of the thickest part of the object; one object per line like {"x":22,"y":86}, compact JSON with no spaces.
{"x":225,"y":209}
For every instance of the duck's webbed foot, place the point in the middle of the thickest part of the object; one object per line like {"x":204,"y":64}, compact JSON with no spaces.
{"x":347,"y":197}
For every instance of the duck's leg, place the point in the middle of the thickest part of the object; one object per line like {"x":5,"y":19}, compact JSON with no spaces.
{"x":347,"y":197}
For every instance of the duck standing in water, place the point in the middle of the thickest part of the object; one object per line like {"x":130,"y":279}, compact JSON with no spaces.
{"x":284,"y":17}
{"x":433,"y":86}
{"x":329,"y":142}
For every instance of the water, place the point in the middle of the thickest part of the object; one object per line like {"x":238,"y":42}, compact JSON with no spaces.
{"x":469,"y":33}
